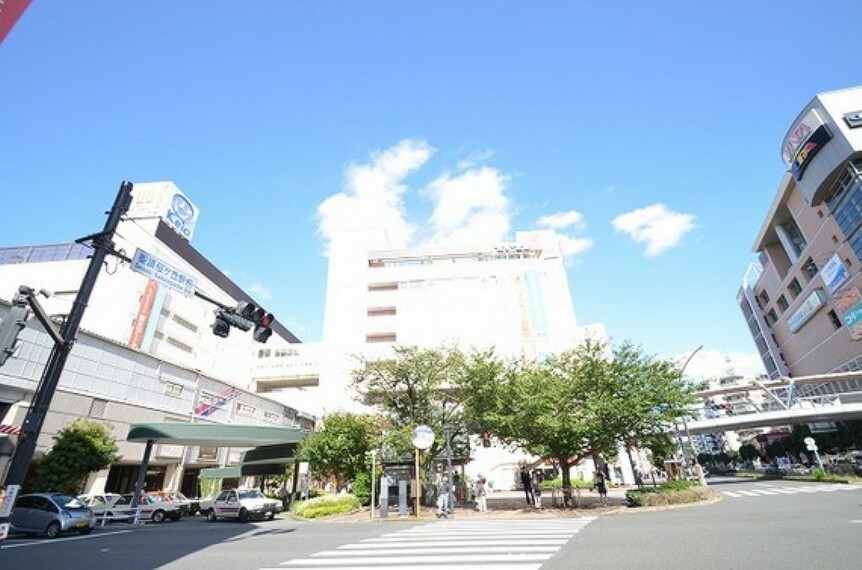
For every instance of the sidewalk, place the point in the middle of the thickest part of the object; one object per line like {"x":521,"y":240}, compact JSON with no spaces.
{"x":507,"y":505}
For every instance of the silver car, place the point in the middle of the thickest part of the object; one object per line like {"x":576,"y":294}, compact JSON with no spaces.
{"x":52,"y":514}
{"x":241,"y":504}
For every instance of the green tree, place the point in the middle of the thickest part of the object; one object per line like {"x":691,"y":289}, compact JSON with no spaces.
{"x":418,"y":386}
{"x":748,"y":452}
{"x":340,"y":448}
{"x":80,"y":448}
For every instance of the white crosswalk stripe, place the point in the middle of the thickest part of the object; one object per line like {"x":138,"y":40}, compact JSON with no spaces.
{"x":766,"y":490}
{"x":450,"y":545}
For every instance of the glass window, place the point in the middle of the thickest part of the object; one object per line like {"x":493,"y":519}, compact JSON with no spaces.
{"x":833,"y":318}
{"x":810,"y":267}
{"x":795,"y":288}
{"x":764,"y":297}
{"x":772,"y":317}
{"x":782,"y":303}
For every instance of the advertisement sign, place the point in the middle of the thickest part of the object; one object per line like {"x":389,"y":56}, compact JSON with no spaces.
{"x":834,"y":273}
{"x":156,"y":269}
{"x":850,"y":307}
{"x":804,"y":140}
{"x":814,"y":301}
{"x":140,"y":323}
{"x":164,"y":200}
{"x":220,"y":401}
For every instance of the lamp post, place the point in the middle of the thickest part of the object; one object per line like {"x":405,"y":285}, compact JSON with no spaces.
{"x":698,"y":468}
{"x":373,"y":454}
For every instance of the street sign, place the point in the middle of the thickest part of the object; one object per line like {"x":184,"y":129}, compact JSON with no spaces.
{"x":156,"y":269}
{"x":423,"y":437}
{"x":810,"y":444}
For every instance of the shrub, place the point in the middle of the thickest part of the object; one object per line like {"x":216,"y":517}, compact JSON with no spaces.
{"x":671,"y":493}
{"x":325,"y":506}
{"x":362,"y":487}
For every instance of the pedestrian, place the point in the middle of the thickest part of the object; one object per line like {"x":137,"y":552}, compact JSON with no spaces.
{"x":482,"y":494}
{"x":443,"y":498}
{"x":602,"y":487}
{"x":537,"y":489}
{"x":528,"y":485}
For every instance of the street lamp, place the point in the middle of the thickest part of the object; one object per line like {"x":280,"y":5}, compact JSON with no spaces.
{"x":685,"y":423}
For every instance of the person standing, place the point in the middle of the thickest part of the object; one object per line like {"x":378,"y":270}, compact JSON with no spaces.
{"x":602,"y":487}
{"x":443,"y":498}
{"x":537,"y":489}
{"x":528,"y":485}
{"x":482,"y":494}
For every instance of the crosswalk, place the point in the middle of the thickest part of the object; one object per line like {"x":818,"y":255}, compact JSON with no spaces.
{"x":450,"y":545}
{"x":767,"y":490}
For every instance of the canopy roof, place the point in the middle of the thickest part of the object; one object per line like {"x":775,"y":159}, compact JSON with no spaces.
{"x":221,"y":435}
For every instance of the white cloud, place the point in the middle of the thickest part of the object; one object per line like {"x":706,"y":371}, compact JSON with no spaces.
{"x":562,"y":220}
{"x":469,"y":208}
{"x":573,"y":246}
{"x":373,"y":193}
{"x":658,"y":227}
{"x":260,"y":291}
{"x":711,"y":363}
{"x":474,"y":159}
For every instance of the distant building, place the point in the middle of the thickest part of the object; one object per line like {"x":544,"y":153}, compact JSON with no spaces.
{"x":802,"y":301}
{"x":145,"y":351}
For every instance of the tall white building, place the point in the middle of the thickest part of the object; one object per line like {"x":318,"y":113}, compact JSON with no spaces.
{"x":511,"y":296}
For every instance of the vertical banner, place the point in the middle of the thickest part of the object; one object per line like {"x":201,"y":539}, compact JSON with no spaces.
{"x":140,"y":323}
{"x":10,"y":11}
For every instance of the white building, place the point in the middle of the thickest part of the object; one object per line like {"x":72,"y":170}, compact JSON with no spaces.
{"x":146,"y":351}
{"x":513,"y":296}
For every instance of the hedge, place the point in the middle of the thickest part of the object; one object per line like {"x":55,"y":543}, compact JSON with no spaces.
{"x":671,"y":493}
{"x":325,"y":506}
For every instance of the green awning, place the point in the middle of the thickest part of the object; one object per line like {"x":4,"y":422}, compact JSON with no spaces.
{"x":220,"y":435}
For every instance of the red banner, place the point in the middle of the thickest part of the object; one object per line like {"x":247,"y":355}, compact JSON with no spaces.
{"x":10,"y":11}
{"x":143,"y":316}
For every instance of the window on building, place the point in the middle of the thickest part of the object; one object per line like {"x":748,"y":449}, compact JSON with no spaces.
{"x":98,"y":408}
{"x":207,"y":398}
{"x":244,"y":409}
{"x":782,"y":303}
{"x":381,"y":311}
{"x":390,"y":286}
{"x":185,"y":323}
{"x":833,"y":318}
{"x":180,"y":345}
{"x":810,"y":267}
{"x":380,"y":337}
{"x":764,"y":297}
{"x":772,"y":317}
{"x":207,"y":453}
{"x":271,"y":417}
{"x":795,"y":288}
{"x":797,"y":240}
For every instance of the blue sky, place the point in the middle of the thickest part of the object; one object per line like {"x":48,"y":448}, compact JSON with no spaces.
{"x":661,"y":122}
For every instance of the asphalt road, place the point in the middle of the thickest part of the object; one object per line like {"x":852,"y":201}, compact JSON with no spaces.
{"x":774,"y":525}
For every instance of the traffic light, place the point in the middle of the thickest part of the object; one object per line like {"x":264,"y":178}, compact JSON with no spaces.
{"x":221,"y":327}
{"x":486,"y":438}
{"x":10,"y":327}
{"x":262,"y":332}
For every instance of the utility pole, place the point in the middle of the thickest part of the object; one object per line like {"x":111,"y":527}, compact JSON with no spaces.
{"x":102,"y":246}
{"x":449,"y":469}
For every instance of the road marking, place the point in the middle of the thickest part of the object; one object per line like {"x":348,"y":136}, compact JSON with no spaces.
{"x":856,"y":522}
{"x":731,"y":494}
{"x":67,"y":539}
{"x":452,"y":545}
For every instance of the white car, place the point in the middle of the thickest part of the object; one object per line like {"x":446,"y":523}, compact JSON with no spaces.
{"x":110,"y":506}
{"x":241,"y":504}
{"x":156,"y":509}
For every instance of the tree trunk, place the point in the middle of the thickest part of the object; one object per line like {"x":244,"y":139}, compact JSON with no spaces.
{"x":567,"y":481}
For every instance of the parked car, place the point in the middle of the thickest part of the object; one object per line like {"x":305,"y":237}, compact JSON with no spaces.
{"x":52,"y":514}
{"x":241,"y":504}
{"x":110,"y":506}
{"x":155,"y":508}
{"x":187,"y":506}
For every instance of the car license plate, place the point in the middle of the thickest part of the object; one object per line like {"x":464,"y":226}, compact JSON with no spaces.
{"x":81,"y":523}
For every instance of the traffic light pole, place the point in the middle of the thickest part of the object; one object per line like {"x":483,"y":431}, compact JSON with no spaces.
{"x":102,"y":245}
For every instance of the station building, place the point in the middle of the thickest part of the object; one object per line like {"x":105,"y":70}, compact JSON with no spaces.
{"x":802,"y":299}
{"x":145,"y":351}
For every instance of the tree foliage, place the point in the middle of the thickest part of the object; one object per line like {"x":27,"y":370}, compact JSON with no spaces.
{"x":80,"y":448}
{"x":418,"y":386}
{"x":581,"y":403}
{"x":340,"y":448}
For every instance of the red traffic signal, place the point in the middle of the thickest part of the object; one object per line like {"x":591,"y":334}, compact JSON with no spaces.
{"x":262,"y":332}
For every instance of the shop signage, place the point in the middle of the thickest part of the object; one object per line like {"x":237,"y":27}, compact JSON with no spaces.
{"x":850,"y":307}
{"x":834,"y":274}
{"x":814,"y":301}
{"x":804,"y":140}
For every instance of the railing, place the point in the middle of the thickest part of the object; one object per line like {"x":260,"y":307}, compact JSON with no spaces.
{"x":566,"y":497}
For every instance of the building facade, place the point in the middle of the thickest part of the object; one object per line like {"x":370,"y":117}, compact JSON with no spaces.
{"x":145,"y":351}
{"x":802,"y":300}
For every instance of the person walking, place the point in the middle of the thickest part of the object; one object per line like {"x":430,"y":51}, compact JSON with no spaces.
{"x":602,"y":487}
{"x":482,"y":494}
{"x":528,"y":485}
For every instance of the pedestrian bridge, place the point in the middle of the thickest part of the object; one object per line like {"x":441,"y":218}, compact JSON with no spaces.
{"x":753,"y":403}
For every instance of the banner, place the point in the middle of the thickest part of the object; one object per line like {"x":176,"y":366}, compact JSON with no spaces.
{"x":10,"y":11}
